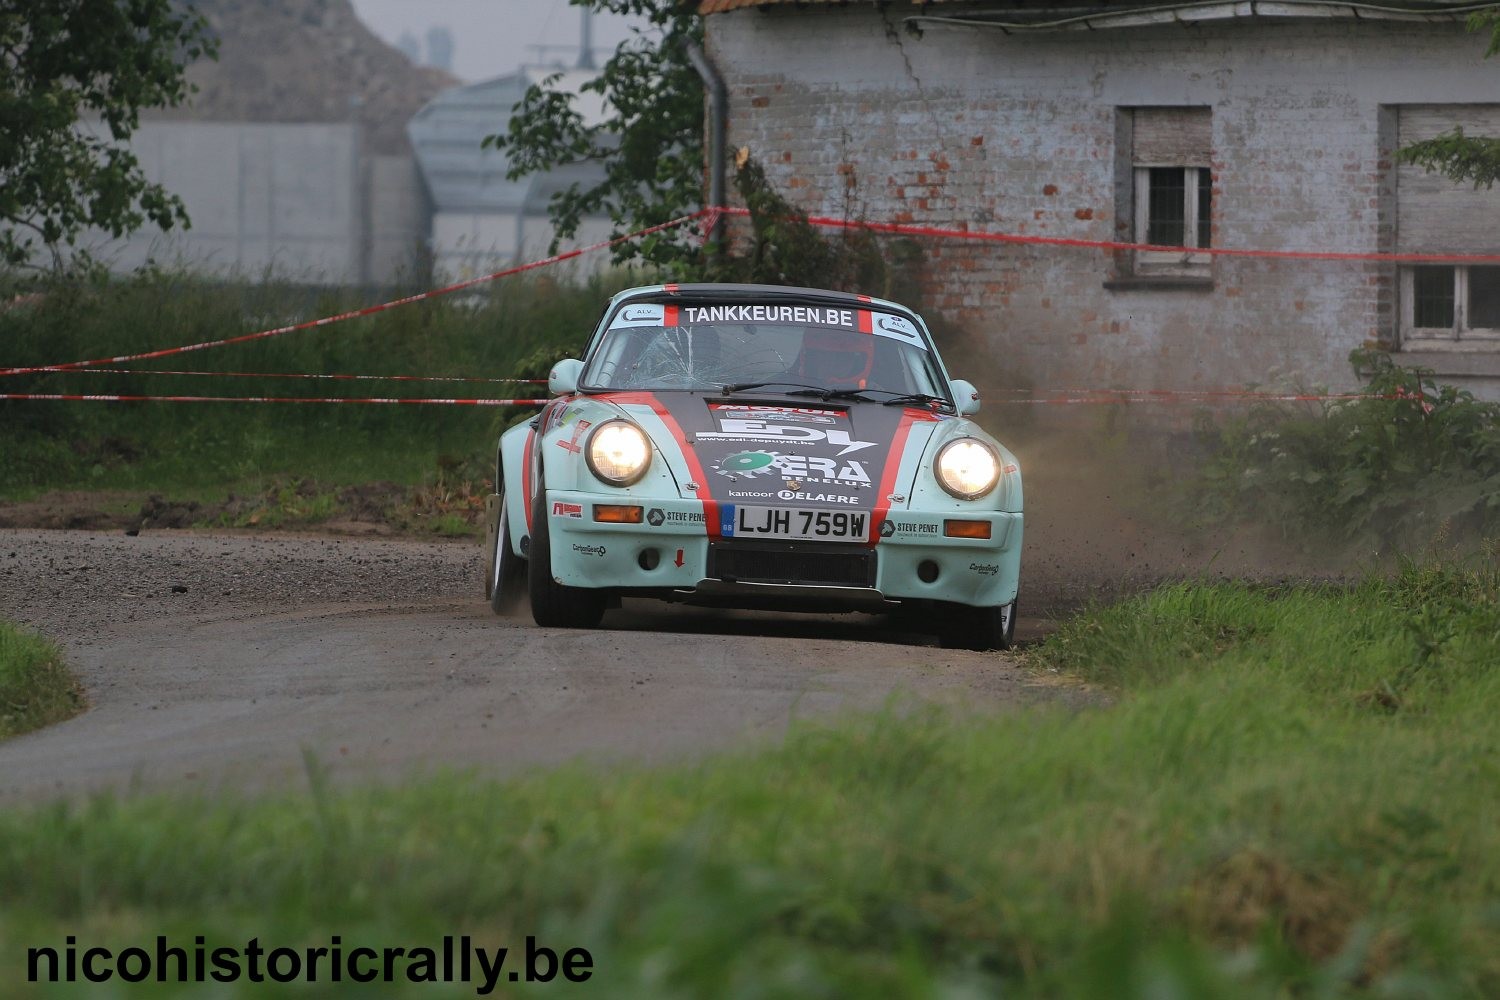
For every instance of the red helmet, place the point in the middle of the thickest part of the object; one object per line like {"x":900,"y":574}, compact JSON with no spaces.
{"x":836,"y":357}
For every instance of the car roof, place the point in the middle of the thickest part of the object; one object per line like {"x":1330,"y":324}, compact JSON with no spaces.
{"x":738,"y":290}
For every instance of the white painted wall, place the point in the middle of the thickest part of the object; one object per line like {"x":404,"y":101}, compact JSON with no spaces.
{"x":295,"y":201}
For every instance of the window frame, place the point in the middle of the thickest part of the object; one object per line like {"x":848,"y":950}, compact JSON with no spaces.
{"x":1186,"y":261}
{"x":1460,"y":330}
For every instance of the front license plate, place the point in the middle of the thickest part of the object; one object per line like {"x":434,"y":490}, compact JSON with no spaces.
{"x":794,"y":522}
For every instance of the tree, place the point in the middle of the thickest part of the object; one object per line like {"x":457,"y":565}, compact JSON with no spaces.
{"x":650,"y":141}
{"x":74,"y":76}
{"x":1462,"y":157}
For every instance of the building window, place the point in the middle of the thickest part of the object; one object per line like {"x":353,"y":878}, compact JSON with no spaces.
{"x":1175,"y":206}
{"x":1454,"y":306}
{"x":1173,"y":189}
{"x":1451,"y":302}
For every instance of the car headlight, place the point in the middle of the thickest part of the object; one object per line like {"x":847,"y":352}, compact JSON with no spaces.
{"x":967,"y":468}
{"x":618,"y":452}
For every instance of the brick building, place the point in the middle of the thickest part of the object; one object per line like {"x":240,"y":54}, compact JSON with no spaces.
{"x":1255,"y":125}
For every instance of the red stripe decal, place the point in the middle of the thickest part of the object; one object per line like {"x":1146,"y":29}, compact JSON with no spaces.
{"x":893,"y":467}
{"x":526,"y":476}
{"x":695,"y":467}
{"x":670,"y":316}
{"x":866,"y":325}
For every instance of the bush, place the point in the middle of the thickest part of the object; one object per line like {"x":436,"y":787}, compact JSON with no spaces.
{"x":36,"y":689}
{"x":1404,"y":462}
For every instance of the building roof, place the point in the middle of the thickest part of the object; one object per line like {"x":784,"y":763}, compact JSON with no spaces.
{"x":719,"y":6}
{"x":461,"y":174}
{"x":1093,"y":14}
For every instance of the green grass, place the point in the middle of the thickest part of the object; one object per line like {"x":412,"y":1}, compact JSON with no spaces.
{"x":36,"y":689}
{"x":1291,"y":792}
{"x":514,"y":328}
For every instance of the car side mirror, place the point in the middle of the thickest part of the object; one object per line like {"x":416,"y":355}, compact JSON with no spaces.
{"x":563,"y":378}
{"x":965,"y":395}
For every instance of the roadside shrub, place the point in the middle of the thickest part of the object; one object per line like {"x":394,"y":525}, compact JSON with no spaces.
{"x":36,"y":688}
{"x":1413,"y":459}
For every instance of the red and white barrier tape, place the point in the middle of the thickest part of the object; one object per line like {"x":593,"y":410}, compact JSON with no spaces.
{"x":712,"y":214}
{"x":1191,"y":398}
{"x":1083,"y":397}
{"x":65,"y":397}
{"x":907,"y":229}
{"x":1148,"y":395}
{"x":1059,"y":395}
{"x":366,"y":378}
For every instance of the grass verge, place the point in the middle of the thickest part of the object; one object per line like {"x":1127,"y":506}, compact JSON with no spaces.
{"x":36,"y":688}
{"x":1293,"y":794}
{"x":511,"y":329}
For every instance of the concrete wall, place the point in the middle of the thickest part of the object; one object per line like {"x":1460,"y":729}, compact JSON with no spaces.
{"x":974,"y":128}
{"x":469,"y":244}
{"x":297,"y":201}
{"x":397,"y":220}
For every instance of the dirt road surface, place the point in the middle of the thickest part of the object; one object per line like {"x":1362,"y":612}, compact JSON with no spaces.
{"x":217,"y":661}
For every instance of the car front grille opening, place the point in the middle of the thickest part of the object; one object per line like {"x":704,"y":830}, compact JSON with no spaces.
{"x":794,"y":565}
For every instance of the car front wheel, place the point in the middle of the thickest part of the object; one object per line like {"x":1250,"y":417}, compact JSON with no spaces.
{"x":552,"y":604}
{"x":966,"y":627}
{"x":505,"y":579}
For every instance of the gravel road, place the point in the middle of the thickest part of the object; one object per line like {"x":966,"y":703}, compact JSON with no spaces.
{"x":216,"y":661}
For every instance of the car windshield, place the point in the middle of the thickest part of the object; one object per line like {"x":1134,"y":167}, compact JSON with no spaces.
{"x":709,"y":347}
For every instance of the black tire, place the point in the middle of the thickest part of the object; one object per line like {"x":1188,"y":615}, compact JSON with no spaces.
{"x":966,"y":627}
{"x":552,"y":604}
{"x":505,"y":572}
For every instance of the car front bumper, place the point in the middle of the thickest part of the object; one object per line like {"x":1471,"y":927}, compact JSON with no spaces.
{"x":671,"y":551}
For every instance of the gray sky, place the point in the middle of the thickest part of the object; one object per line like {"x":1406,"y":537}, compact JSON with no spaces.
{"x":491,"y":37}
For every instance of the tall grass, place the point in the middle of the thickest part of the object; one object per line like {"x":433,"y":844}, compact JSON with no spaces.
{"x":1292,"y":792}
{"x":513,"y":328}
{"x":36,"y":688}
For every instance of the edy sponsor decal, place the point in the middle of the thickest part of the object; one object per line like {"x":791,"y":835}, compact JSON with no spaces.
{"x":589,"y":550}
{"x":736,"y":429}
{"x":560,"y":509}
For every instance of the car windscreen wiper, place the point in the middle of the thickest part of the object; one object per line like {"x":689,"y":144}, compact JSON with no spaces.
{"x":897,"y":398}
{"x":828,"y":395}
{"x":802,"y":387}
{"x":918,"y":399}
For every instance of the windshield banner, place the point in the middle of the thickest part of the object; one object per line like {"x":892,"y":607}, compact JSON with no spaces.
{"x":881,"y":324}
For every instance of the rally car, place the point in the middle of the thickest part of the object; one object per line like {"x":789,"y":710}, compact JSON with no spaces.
{"x":759,"y":447}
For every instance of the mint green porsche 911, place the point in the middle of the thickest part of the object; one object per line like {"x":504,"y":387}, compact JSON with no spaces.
{"x":758,"y":446}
